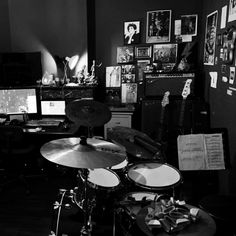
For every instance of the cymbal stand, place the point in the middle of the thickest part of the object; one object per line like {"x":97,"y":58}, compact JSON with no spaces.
{"x":87,"y":228}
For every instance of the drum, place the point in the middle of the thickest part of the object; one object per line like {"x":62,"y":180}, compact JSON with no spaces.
{"x":103,"y":179}
{"x":101,"y":186}
{"x":154,"y":176}
{"x":129,"y":207}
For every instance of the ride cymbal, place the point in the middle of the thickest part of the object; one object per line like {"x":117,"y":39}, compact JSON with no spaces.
{"x":88,"y":113}
{"x":83,"y":152}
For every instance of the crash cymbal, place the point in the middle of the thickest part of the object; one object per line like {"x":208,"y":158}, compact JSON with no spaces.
{"x":88,"y":113}
{"x":136,"y":143}
{"x":83,"y":152}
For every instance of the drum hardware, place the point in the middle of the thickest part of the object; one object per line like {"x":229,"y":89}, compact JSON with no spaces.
{"x":88,"y":154}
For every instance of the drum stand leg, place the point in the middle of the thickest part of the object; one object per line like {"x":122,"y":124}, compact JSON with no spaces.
{"x":87,"y":228}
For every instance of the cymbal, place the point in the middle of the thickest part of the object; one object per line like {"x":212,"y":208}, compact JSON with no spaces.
{"x":83,"y":152}
{"x":88,"y":112}
{"x":136,"y":143}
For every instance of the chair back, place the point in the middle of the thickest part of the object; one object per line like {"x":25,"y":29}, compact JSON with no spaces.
{"x":11,"y":137}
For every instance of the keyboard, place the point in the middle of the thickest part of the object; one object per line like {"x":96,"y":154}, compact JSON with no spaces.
{"x":43,"y":122}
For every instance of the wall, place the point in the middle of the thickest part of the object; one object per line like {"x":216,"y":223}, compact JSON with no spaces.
{"x":5,"y":44}
{"x":222,"y":105}
{"x":110,"y":16}
{"x":50,"y":26}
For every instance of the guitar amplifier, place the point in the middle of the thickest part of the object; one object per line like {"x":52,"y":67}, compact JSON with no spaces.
{"x":158,"y":84}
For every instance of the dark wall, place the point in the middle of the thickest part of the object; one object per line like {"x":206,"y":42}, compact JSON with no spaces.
{"x":5,"y":44}
{"x":222,"y":106}
{"x":110,"y":16}
{"x":50,"y":26}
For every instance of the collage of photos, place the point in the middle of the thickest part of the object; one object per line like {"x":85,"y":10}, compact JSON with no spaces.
{"x":135,"y":57}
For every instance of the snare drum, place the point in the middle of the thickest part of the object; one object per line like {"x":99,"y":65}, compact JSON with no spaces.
{"x":154,"y":175}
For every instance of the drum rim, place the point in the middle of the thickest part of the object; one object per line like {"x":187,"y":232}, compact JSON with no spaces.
{"x":153,"y":187}
{"x":134,"y":192}
{"x":97,"y":187}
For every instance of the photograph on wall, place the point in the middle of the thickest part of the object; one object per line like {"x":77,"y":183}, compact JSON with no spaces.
{"x":142,"y":52}
{"x":125,"y":54}
{"x":131,"y":32}
{"x":189,"y":25}
{"x":232,"y":10}
{"x":210,"y":38}
{"x":128,"y":73}
{"x":158,"y":26}
{"x":141,"y":67}
{"x":113,"y":76}
{"x":129,"y":93}
{"x":165,"y":53}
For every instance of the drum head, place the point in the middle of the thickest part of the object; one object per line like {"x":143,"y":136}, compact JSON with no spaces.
{"x":103,"y":177}
{"x":154,"y":175}
{"x":121,"y":165}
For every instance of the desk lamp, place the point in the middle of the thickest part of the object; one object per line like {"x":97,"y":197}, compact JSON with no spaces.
{"x":71,"y":62}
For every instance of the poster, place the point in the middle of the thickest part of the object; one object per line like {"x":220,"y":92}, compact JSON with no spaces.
{"x":232,"y":10}
{"x":158,"y":26}
{"x":210,"y":39}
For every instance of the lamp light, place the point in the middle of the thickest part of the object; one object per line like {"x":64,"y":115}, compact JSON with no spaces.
{"x":71,"y":62}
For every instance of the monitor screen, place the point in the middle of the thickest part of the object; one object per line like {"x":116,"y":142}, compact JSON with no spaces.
{"x":53,"y":107}
{"x":15,"y":101}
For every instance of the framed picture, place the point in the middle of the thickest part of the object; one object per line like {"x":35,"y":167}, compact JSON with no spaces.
{"x":131,"y":32}
{"x":141,"y":66}
{"x":113,"y":76}
{"x":165,"y":53}
{"x":210,"y":38}
{"x":129,"y":93}
{"x":125,"y":54}
{"x":158,"y":26}
{"x":142,"y":52}
{"x":128,"y":73}
{"x":232,"y":10}
{"x":189,"y":25}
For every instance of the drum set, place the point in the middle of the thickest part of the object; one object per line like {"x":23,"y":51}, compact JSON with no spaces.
{"x":128,"y":171}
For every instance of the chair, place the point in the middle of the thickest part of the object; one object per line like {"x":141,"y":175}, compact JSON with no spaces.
{"x":17,"y":153}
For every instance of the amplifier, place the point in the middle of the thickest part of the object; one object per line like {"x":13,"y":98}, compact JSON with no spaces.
{"x":158,"y":84}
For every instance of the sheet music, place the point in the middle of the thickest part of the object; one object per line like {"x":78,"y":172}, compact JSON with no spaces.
{"x":201,"y":152}
{"x":215,"y":152}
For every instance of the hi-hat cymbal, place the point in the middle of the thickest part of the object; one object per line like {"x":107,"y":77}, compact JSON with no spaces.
{"x":136,"y":143}
{"x":89,"y":153}
{"x":88,"y":113}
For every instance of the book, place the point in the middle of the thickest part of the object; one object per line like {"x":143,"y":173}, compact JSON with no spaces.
{"x":201,"y":152}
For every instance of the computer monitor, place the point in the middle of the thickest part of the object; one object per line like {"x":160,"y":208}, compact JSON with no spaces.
{"x":53,"y":108}
{"x":18,"y":100}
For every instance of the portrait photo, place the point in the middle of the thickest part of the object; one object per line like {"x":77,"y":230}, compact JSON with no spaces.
{"x":131,"y":32}
{"x":210,"y":39}
{"x":113,"y":76}
{"x":128,"y":73}
{"x":125,"y":54}
{"x":232,"y":10}
{"x":189,"y":25}
{"x":165,"y":53}
{"x":158,"y":26}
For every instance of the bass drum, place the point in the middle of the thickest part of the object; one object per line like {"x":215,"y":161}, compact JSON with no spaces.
{"x":154,"y":176}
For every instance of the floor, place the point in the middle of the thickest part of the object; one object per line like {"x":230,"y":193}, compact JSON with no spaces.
{"x":36,"y":213}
